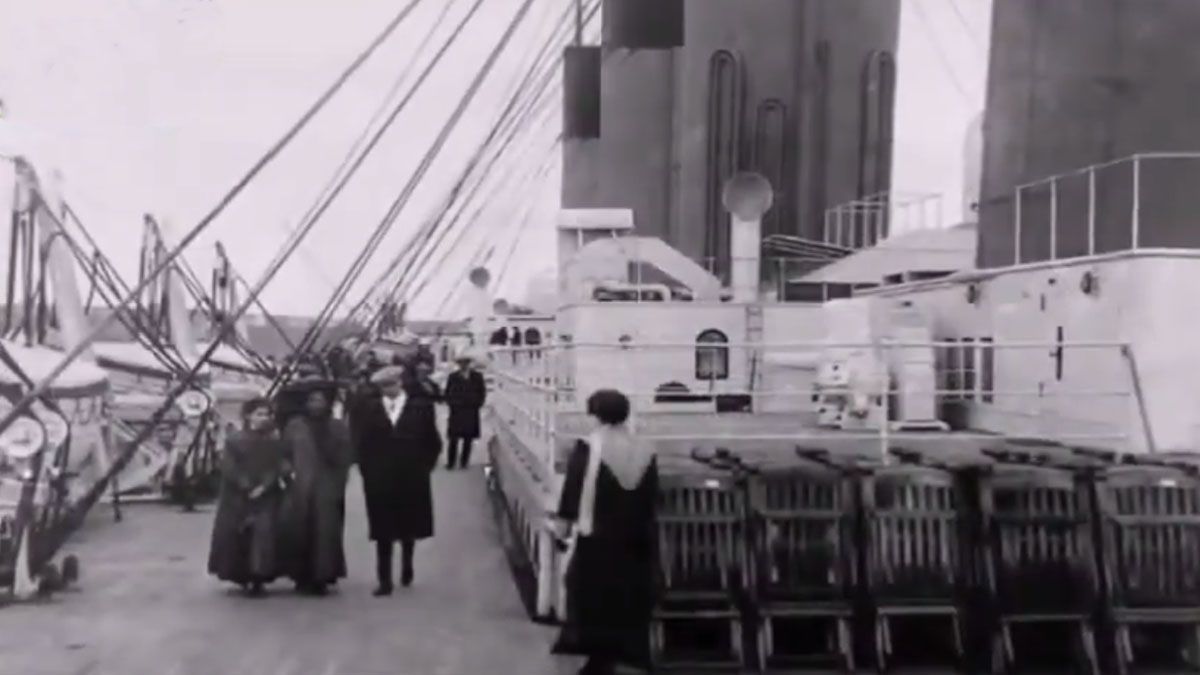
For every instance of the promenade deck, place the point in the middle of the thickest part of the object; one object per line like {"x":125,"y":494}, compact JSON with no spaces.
{"x":145,"y":605}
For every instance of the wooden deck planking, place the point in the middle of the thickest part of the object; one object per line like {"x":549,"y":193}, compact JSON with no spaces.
{"x":146,"y":605}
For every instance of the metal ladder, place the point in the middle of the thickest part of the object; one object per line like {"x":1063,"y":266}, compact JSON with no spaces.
{"x":754,"y":337}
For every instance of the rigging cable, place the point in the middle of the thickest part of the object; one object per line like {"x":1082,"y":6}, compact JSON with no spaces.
{"x":512,"y":128}
{"x":468,"y":172}
{"x":41,"y":387}
{"x":401,"y":79}
{"x":532,"y":176}
{"x":947,"y":64}
{"x":482,"y":257}
{"x":307,"y":226}
{"x":402,"y":200}
{"x":414,"y":273}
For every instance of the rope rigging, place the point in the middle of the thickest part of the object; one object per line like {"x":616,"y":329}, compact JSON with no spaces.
{"x":544,"y":89}
{"x":411,"y":186}
{"x":468,"y":172}
{"x":401,"y":79}
{"x":307,"y":226}
{"x":515,"y":124}
{"x":482,"y":257}
{"x":507,"y":124}
{"x":21,"y":406}
{"x":521,"y":187}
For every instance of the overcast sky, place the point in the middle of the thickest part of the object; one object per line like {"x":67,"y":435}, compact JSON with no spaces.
{"x":159,"y":106}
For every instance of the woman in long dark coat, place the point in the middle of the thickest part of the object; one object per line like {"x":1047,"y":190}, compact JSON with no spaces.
{"x":398,"y":447}
{"x":608,"y":500}
{"x":254,"y":467}
{"x":322,"y":455}
{"x":466,"y":393}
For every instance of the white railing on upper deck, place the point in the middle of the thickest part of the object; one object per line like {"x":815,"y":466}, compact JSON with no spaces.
{"x":537,"y":390}
{"x":1093,"y":187}
{"x":863,"y":222}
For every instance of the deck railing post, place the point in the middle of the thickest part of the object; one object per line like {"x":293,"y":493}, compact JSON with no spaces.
{"x":1017,"y":227}
{"x":1091,"y":214}
{"x":1137,"y":202}
{"x":1054,"y":219}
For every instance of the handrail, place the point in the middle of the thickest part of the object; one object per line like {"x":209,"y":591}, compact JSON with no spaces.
{"x":1139,"y":396}
{"x":1090,"y":171}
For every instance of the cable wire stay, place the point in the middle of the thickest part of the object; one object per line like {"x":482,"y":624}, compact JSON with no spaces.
{"x":506,"y":124}
{"x":39,"y":389}
{"x":409,"y":188}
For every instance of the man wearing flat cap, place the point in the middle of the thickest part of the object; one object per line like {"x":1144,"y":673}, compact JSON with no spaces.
{"x":398,"y":446}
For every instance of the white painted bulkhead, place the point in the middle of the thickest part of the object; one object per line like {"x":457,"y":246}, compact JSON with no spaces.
{"x":1141,"y":298}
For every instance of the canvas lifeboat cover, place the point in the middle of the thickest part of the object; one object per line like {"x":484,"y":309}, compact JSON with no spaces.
{"x":79,"y":380}
{"x":135,"y":356}
{"x":79,"y":392}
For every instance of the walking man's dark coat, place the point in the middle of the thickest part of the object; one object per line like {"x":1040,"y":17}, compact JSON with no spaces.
{"x":396,"y":460}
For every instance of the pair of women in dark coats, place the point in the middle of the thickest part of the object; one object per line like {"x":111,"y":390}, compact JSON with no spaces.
{"x":282,"y":503}
{"x":608,"y":504}
{"x":398,"y":444}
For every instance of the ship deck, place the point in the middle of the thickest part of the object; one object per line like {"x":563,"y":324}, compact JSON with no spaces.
{"x":145,"y":606}
{"x":770,"y":440}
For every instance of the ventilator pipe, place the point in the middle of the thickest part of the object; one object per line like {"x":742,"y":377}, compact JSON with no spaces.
{"x":747,"y":196}
{"x":480,"y":302}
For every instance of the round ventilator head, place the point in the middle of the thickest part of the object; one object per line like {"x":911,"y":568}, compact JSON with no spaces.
{"x":747,"y":195}
{"x":480,"y":277}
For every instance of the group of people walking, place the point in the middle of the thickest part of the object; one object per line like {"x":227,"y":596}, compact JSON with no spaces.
{"x":282,"y":505}
{"x":281,"y":511}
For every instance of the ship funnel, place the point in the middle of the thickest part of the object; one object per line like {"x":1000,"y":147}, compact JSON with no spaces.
{"x":747,"y":196}
{"x":479,"y":302}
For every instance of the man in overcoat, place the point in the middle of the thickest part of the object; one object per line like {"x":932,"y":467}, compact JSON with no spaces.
{"x":398,"y":445}
{"x":466,"y":393}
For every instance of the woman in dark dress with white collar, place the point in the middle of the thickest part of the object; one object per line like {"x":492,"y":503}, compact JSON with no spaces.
{"x":608,"y":502}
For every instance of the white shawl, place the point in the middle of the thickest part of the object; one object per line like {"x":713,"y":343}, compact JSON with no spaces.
{"x":626,"y":457}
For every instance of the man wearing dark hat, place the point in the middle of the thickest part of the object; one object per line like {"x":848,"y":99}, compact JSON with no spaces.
{"x":466,"y":392}
{"x":398,"y":446}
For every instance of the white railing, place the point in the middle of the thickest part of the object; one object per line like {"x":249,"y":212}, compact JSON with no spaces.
{"x":862,"y":222}
{"x":1087,"y":398}
{"x":1086,"y":186}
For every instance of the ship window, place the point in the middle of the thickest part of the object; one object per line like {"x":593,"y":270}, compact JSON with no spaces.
{"x":968,"y":369}
{"x":987,"y":374}
{"x":950,"y":368}
{"x":712,"y":363}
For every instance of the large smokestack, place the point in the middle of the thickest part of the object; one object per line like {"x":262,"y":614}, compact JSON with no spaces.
{"x":747,"y":196}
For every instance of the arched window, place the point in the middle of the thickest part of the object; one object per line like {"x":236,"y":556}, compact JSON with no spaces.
{"x":712,"y":363}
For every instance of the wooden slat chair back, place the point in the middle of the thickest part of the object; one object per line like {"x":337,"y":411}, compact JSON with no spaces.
{"x":804,"y":536}
{"x":1152,"y":537}
{"x":1151,"y":533}
{"x":914,"y":526}
{"x":701,"y":525}
{"x":703,"y":571}
{"x":1040,"y":556}
{"x":914,"y":547}
{"x":804,"y":552}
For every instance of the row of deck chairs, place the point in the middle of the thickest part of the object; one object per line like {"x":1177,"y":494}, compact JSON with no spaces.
{"x":1087,"y":545}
